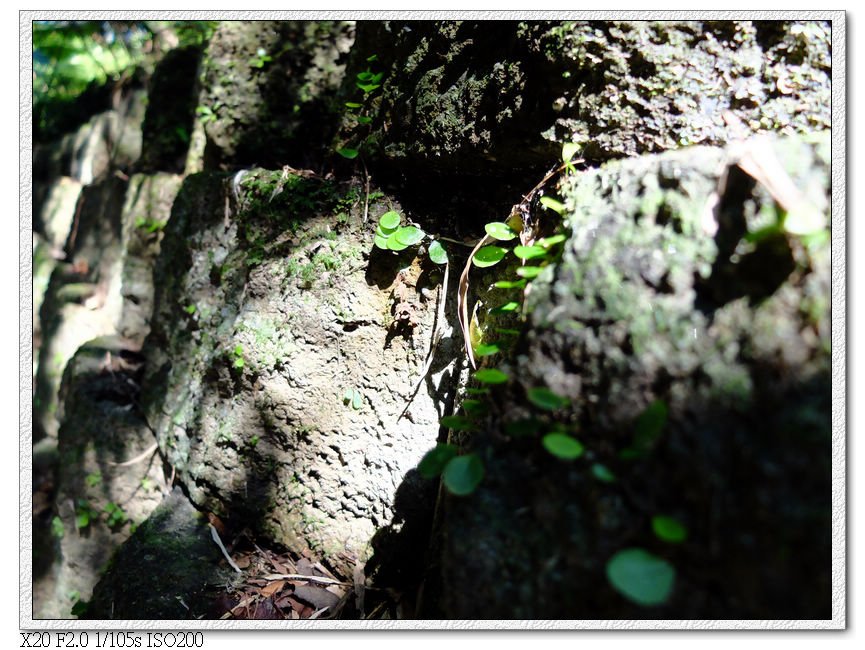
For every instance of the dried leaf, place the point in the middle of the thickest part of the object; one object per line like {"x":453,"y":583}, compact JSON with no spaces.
{"x":273,"y":588}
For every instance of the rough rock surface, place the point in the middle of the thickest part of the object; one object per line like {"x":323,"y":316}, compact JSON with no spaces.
{"x":476,"y":95}
{"x":721,"y":318}
{"x":268,"y":312}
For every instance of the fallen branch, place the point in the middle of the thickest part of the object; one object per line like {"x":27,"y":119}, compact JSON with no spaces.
{"x":218,"y":541}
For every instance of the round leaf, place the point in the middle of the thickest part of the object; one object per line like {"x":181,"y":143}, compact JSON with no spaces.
{"x":529,"y":252}
{"x":488,"y":255}
{"x":491,"y":376}
{"x":389,"y":221}
{"x":347,"y":152}
{"x":394,"y":244}
{"x":434,"y":461}
{"x":380,"y":242}
{"x":640,"y":576}
{"x":546,"y":399}
{"x":529,"y":272}
{"x":463,"y":474}
{"x":669,"y":529}
{"x":486,"y":349}
{"x":563,"y":446}
{"x":437,"y":253}
{"x":409,"y":235}
{"x":510,"y":284}
{"x":500,"y":231}
{"x":551,"y":204}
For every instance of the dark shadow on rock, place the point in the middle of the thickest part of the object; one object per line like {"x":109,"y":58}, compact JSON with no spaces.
{"x":165,"y":571}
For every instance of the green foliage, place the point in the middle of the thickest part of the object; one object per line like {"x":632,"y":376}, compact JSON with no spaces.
{"x":491,"y":376}
{"x":562,"y":446}
{"x":354,"y":398}
{"x":487,"y":349}
{"x":650,"y":425}
{"x":348,"y":152}
{"x":551,"y":204}
{"x":150,"y":225}
{"x":57,"y":528}
{"x":669,"y":529}
{"x":489,"y":256}
{"x":546,"y":399}
{"x":529,"y":272}
{"x":79,"y":608}
{"x":641,"y":577}
{"x":500,"y":231}
{"x":510,"y":284}
{"x":390,"y":221}
{"x":237,"y":360}
{"x":569,"y":151}
{"x":529,"y":252}
{"x":434,"y":461}
{"x":84,"y":514}
{"x":437,"y":252}
{"x":367,"y":81}
{"x":260,"y":59}
{"x":457,"y":422}
{"x":116,"y":517}
{"x":463,"y":474}
{"x":93,"y":479}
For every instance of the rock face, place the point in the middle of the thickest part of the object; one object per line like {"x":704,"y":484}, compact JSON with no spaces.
{"x":694,"y":365}
{"x":680,"y":330}
{"x":268,"y":314}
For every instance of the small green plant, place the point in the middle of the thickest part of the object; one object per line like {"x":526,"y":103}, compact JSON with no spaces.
{"x":237,"y":360}
{"x":353,"y":398}
{"x":115,"y":516}
{"x":57,"y":528}
{"x":208,"y":114}
{"x":390,"y":235}
{"x":367,"y":81}
{"x":93,"y":479}
{"x":150,"y":225}
{"x":260,"y":59}
{"x":84,"y":514}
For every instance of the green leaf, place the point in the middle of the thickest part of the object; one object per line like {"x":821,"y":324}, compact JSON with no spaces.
{"x":394,"y":244}
{"x":82,"y":520}
{"x":563,"y":446}
{"x":547,"y":242}
{"x":409,"y":235}
{"x":529,"y":272}
{"x":190,"y":309}
{"x":353,"y":105}
{"x":669,"y":529}
{"x":569,"y":150}
{"x":529,"y":252}
{"x":457,"y":422}
{"x":367,"y":88}
{"x":474,"y":406}
{"x":372,"y":58}
{"x":437,"y":252}
{"x":488,"y":256}
{"x":491,"y":376}
{"x":389,"y":221}
{"x":477,"y":391}
{"x":641,"y":577}
{"x":463,"y":474}
{"x":500,"y":231}
{"x":366,"y":75}
{"x":486,"y":349}
{"x":380,"y":242}
{"x":434,"y":461}
{"x":650,"y":424}
{"x":57,"y":529}
{"x":506,"y":308}
{"x":603,"y":473}
{"x":551,"y":204}
{"x":356,"y":400}
{"x":510,"y":284}
{"x":347,"y":152}
{"x":546,"y":399}
{"x":363,"y":119}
